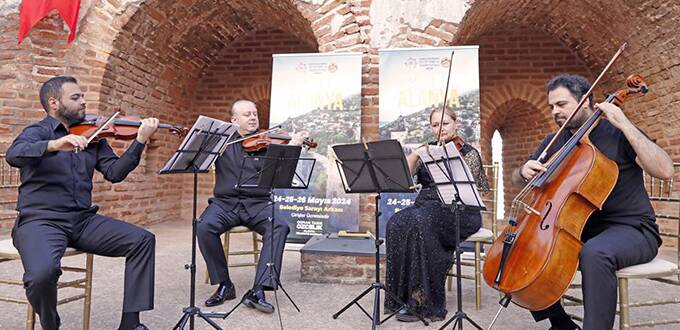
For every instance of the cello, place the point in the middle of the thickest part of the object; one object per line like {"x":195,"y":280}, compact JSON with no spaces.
{"x":535,"y":257}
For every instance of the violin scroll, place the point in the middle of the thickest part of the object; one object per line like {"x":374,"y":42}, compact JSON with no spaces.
{"x":179,"y":131}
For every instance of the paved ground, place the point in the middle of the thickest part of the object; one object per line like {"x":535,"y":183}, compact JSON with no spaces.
{"x":316,"y":301}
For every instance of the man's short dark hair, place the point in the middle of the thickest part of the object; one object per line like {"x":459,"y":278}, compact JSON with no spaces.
{"x":52,"y":88}
{"x":577,"y":86}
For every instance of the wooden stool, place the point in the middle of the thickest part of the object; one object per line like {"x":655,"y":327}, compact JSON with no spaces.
{"x":8,"y":252}
{"x":255,"y":252}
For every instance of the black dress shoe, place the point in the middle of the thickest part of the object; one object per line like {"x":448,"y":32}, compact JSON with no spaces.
{"x":141,"y":327}
{"x":223,"y":292}
{"x":256,"y":300}
{"x":576,"y":328}
{"x":405,"y":315}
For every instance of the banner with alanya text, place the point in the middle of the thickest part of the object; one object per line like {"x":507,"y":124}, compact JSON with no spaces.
{"x":319,"y":94}
{"x":412,"y":85}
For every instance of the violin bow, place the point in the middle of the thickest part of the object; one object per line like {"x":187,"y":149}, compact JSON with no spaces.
{"x":518,"y":199}
{"x":446,"y":93}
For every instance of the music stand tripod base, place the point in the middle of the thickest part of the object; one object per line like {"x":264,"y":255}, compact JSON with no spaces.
{"x":451,"y":176}
{"x":278,"y":171}
{"x":198,"y":151}
{"x":374,"y":167}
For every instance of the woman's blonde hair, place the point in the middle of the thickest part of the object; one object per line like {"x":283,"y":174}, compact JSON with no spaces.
{"x":448,"y":111}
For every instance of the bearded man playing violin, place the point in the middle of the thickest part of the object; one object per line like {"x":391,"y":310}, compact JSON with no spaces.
{"x":55,"y":204}
{"x":623,"y":232}
{"x":233,"y":206}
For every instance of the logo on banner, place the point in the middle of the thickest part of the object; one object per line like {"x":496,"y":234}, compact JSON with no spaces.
{"x":411,"y":63}
{"x":332,"y":67}
{"x":301,"y":67}
{"x":445,"y":62}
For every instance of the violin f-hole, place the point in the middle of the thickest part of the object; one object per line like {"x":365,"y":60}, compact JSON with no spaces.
{"x":547,"y":209}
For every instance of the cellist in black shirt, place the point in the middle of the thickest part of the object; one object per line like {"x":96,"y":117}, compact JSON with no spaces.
{"x":55,"y":205}
{"x":623,"y":233}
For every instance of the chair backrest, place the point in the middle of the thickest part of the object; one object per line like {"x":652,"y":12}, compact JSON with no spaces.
{"x":9,"y":181}
{"x":9,"y":176}
{"x":490,"y":199}
{"x":665,"y":197}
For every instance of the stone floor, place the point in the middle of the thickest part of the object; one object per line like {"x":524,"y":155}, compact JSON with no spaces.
{"x":316,"y":301}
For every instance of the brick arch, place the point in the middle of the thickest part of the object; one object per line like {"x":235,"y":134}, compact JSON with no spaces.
{"x":494,"y":106}
{"x":260,"y":94}
{"x":520,"y":122}
{"x":649,"y":31}
{"x":148,"y":57}
{"x":162,"y":50}
{"x":559,"y":25}
{"x":243,"y":71}
{"x":157,"y":57}
{"x":496,"y":99}
{"x":572,"y":22}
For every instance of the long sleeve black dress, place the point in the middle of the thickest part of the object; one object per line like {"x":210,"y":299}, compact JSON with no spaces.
{"x":421,"y":244}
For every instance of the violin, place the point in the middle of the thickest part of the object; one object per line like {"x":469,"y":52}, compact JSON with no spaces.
{"x":121,"y":128}
{"x":264,"y":138}
{"x":536,"y":256}
{"x":457,"y":141}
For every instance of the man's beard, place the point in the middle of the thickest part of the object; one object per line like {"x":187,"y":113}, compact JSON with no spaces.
{"x":574,"y":124}
{"x":71,"y":117}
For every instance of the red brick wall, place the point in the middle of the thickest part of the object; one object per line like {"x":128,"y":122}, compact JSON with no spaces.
{"x":652,"y":52}
{"x":152,"y":60}
{"x":244,"y":70}
{"x":142,"y":61}
{"x":22,"y":69}
{"x":515,"y":64}
{"x":241,"y":71}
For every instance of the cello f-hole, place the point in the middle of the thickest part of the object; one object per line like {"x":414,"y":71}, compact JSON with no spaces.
{"x":548,"y":208}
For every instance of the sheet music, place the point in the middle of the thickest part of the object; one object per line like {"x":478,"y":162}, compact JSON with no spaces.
{"x":198,"y":138}
{"x":437,"y":159}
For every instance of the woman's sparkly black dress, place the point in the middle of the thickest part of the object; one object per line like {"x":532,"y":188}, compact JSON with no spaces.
{"x":421,"y":244}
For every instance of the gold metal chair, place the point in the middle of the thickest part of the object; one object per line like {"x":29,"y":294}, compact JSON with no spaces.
{"x":8,"y":252}
{"x":666,"y":204}
{"x":255,"y":252}
{"x":482,"y":236}
{"x":9,"y":182}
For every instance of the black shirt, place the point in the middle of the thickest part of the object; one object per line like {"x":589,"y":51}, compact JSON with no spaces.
{"x":229,"y":166}
{"x":628,"y":202}
{"x":54,"y":185}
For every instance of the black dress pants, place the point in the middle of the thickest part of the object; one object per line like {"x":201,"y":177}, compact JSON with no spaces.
{"x":610,"y":249}
{"x":42,"y":243}
{"x":215,"y":221}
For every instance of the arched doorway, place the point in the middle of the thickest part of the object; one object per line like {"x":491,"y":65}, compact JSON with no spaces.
{"x":176,"y":60}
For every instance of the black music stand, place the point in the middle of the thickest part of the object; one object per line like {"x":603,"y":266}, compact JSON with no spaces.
{"x":279,"y":170}
{"x":457,"y":189}
{"x":197,"y":153}
{"x":374,"y":167}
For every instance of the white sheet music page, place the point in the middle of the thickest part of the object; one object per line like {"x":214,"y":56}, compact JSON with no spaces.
{"x":437,"y":159}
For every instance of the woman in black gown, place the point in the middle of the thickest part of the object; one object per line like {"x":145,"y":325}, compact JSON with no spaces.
{"x":421,"y":238}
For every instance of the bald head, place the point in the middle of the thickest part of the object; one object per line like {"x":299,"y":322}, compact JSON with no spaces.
{"x":241,"y":105}
{"x":244,"y":114}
